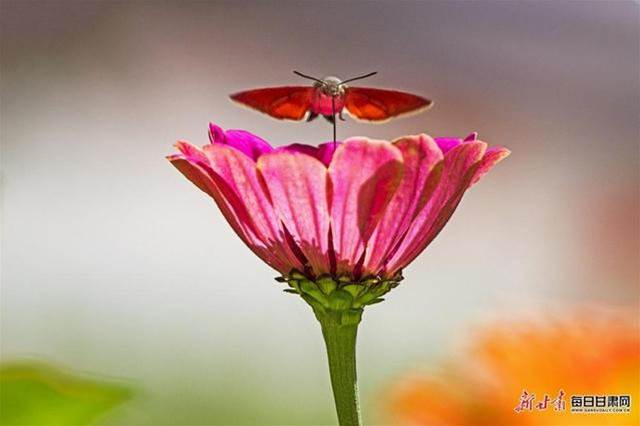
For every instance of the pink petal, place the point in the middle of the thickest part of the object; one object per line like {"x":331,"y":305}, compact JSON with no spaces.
{"x":458,"y":167}
{"x":326,"y":151}
{"x":201,"y":175}
{"x":243,"y":141}
{"x":193,"y":172}
{"x":492,"y":157}
{"x":309,"y":150}
{"x":323,"y":152}
{"x":297,"y":184}
{"x":420,"y":154}
{"x":447,"y":144}
{"x":471,"y":137}
{"x":364,"y":175}
{"x":236,"y":176}
{"x":192,"y":152}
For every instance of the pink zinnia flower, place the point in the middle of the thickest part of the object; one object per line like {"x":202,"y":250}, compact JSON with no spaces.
{"x":339,"y":221}
{"x":356,"y":209}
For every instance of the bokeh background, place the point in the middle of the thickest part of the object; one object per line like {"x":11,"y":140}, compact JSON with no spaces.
{"x":114,"y":266}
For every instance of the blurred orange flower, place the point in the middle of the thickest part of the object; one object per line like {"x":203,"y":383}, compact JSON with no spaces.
{"x":585,"y":355}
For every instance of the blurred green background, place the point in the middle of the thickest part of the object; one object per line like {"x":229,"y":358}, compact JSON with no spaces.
{"x":116,"y":270}
{"x":33,"y":393}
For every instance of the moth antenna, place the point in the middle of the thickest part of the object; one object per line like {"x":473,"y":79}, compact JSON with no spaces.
{"x":358,"y":78}
{"x":308,"y":77}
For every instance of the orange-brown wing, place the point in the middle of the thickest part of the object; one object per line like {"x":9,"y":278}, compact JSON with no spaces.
{"x":370,"y":104}
{"x":283,"y":103}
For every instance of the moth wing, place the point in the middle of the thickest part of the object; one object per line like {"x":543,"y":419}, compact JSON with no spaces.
{"x":370,"y":104}
{"x":283,"y":103}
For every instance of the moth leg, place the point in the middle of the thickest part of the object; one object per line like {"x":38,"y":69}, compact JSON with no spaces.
{"x":312,"y":116}
{"x":329,"y":118}
{"x":340,"y":116}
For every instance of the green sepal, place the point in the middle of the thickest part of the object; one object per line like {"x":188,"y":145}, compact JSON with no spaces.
{"x":381,"y":288}
{"x":339,"y":294}
{"x":344,"y":279}
{"x":295,"y":284}
{"x":296,"y":275}
{"x":370,"y":281}
{"x":373,"y":294}
{"x":340,"y":300}
{"x":354,"y":289}
{"x":311,"y":294}
{"x":326,"y":284}
{"x":310,"y":288}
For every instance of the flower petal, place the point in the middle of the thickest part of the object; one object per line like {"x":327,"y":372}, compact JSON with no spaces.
{"x":420,"y":155}
{"x":243,"y":141}
{"x":471,"y":137}
{"x":364,"y":176}
{"x":447,"y":144}
{"x":323,"y":152}
{"x":492,"y":157}
{"x":192,"y":152}
{"x":326,"y":151}
{"x":201,"y":174}
{"x":297,"y":184}
{"x":458,"y":167}
{"x":238,"y":179}
{"x":309,"y":150}
{"x":194,"y":173}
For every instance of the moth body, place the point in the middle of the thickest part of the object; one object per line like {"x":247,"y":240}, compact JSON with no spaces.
{"x":328,"y":98}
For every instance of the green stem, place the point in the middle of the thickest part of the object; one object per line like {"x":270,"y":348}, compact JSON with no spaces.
{"x":339,"y":329}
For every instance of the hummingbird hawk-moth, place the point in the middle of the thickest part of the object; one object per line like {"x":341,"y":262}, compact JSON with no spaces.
{"x":329,"y":97}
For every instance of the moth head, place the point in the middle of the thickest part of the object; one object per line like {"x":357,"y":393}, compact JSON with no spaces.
{"x":331,"y":86}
